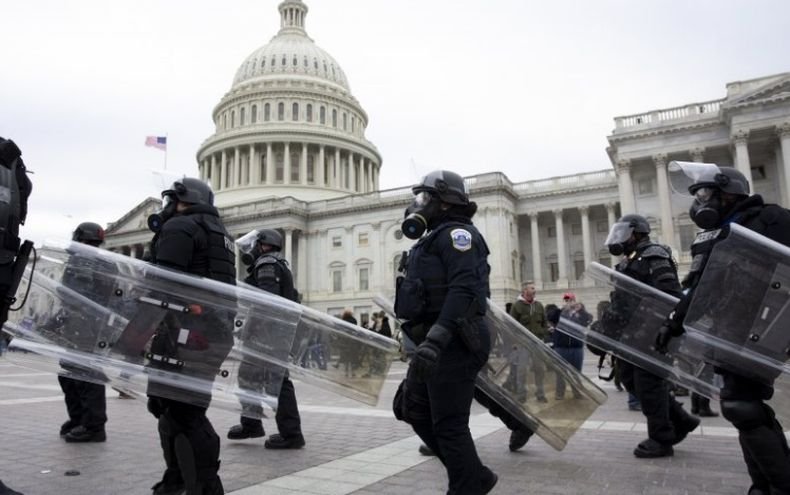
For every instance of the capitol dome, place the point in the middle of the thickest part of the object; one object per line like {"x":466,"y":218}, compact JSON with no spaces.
{"x":289,"y":126}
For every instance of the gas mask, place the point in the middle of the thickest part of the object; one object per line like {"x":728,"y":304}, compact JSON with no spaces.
{"x":706,"y":211}
{"x":620,"y":240}
{"x":156,"y":220}
{"x":421,"y":215}
{"x":249,"y":257}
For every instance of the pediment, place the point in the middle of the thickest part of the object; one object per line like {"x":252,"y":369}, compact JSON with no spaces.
{"x":136,"y":218}
{"x":778,"y":88}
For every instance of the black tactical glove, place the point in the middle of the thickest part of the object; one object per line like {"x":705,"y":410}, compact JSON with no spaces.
{"x":669,"y":329}
{"x":427,"y":354}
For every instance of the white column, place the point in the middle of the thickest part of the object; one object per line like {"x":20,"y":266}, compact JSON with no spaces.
{"x":537,"y":259}
{"x":236,"y":177}
{"x":741,"y":141}
{"x":224,"y":173}
{"x":610,"y":219}
{"x":270,"y":175}
{"x":783,"y":132}
{"x":665,"y":206}
{"x":352,"y":173}
{"x":626,"y":187}
{"x":303,"y":165}
{"x":586,"y":239}
{"x":336,"y":167}
{"x":255,"y":167}
{"x":301,"y":265}
{"x":320,"y":180}
{"x":562,"y":256}
{"x":215,"y":173}
{"x":289,"y":239}
{"x":287,"y":163}
{"x":697,"y":155}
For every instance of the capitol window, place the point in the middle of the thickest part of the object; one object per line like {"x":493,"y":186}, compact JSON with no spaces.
{"x":551,"y":231}
{"x":322,"y":115}
{"x":305,"y":61}
{"x":344,"y":121}
{"x":309,"y":111}
{"x":295,"y":111}
{"x":281,"y":111}
{"x":284,"y":61}
{"x":602,"y":226}
{"x":363,"y":239}
{"x":364,"y":273}
{"x":576,"y":229}
{"x":263,"y":63}
{"x":645,"y":186}
{"x":315,"y":64}
{"x":241,"y":116}
{"x":337,"y":280}
{"x":233,"y":118}
{"x":337,"y":241}
{"x":295,"y":61}
{"x":334,"y":118}
{"x":254,"y":114}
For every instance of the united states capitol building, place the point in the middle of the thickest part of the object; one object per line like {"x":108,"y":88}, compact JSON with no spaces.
{"x":289,"y":152}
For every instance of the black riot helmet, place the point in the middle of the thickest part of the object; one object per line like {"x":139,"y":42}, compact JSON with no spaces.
{"x":447,"y":186}
{"x":621,"y":239}
{"x":426,"y":211}
{"x":272,"y":238}
{"x":713,"y":189}
{"x":88,"y":233}
{"x":187,"y":190}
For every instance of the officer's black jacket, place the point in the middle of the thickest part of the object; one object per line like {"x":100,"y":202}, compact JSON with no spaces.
{"x":270,"y":272}
{"x":652,"y":264}
{"x":450,"y":268}
{"x":196,"y":242}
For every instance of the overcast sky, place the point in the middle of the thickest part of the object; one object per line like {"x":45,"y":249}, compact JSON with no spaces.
{"x":529,"y":88}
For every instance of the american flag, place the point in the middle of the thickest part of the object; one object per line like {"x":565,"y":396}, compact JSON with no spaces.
{"x":158,"y":142}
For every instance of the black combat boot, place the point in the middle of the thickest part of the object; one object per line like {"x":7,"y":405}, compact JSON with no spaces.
{"x":67,"y":426}
{"x":519,"y":438}
{"x":650,"y":449}
{"x":703,"y":409}
{"x":426,"y":451}
{"x":80,"y":434}
{"x":278,"y":442}
{"x":246,"y":430}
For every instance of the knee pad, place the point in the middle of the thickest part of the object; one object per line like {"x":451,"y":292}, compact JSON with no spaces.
{"x":746,"y":414}
{"x":194,"y":447}
{"x":411,"y":407}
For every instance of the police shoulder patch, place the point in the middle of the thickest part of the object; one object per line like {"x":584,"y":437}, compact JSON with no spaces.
{"x":462,"y":239}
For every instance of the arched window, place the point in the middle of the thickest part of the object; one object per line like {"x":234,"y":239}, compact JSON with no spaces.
{"x":281,"y":111}
{"x":309,"y":110}
{"x":344,"y":121}
{"x":284,"y":61}
{"x":266,"y":111}
{"x":233,"y":118}
{"x":263,"y":63}
{"x":295,"y":111}
{"x":334,"y":118}
{"x":241,"y":116}
{"x":315,"y":63}
{"x":353,"y":120}
{"x":305,"y":61}
{"x":274,"y":60}
{"x":224,"y":120}
{"x":310,"y":168}
{"x":295,"y":61}
{"x":322,"y":115}
{"x":254,"y":114}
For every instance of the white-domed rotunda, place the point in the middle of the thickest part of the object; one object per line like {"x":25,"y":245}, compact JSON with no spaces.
{"x":289,"y":126}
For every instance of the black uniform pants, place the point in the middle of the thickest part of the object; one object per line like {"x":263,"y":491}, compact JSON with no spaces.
{"x":438,"y":411}
{"x":663,"y":413}
{"x":289,"y":424}
{"x":86,"y":403}
{"x":762,"y":438}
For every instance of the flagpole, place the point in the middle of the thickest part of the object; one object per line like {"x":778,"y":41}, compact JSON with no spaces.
{"x":166,"y":143}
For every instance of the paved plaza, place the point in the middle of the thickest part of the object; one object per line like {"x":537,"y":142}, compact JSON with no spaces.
{"x":351,"y":448}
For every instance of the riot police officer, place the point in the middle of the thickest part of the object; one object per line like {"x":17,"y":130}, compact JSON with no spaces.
{"x":652,"y":264}
{"x":442,"y":298}
{"x":190,"y":237}
{"x":13,"y":253}
{"x":721,"y":196}
{"x":268,"y":271}
{"x":86,"y":402}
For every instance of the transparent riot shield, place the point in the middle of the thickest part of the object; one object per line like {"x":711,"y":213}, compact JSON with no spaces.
{"x":740,"y":309}
{"x":525,"y":376}
{"x":184,"y":337}
{"x":628,"y":327}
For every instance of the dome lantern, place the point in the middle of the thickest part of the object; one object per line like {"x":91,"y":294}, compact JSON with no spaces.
{"x":292,"y":16}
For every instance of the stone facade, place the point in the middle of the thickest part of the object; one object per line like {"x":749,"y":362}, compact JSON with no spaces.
{"x":317,"y":181}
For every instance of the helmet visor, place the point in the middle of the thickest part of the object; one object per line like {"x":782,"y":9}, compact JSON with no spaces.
{"x":422,"y":199}
{"x":685,"y":176}
{"x":247,"y":242}
{"x":619,"y":233}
